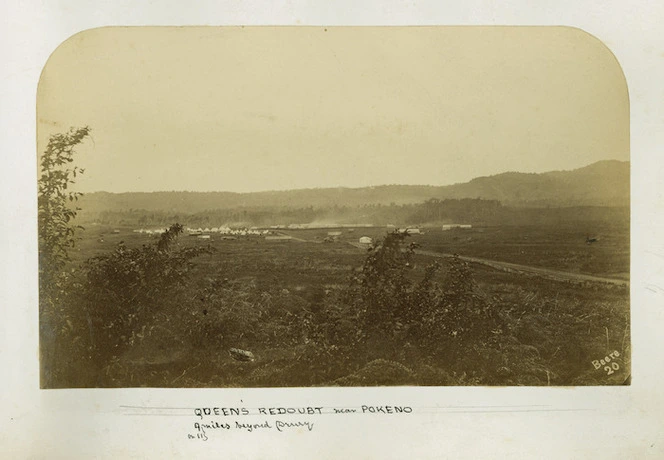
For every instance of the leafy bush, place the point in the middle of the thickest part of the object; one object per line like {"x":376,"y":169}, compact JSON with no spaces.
{"x":383,"y":293}
{"x":124,"y":289}
{"x":55,"y":213}
{"x":57,"y":235}
{"x":438,"y":316}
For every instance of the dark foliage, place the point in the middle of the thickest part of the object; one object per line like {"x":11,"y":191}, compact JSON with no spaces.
{"x":123,"y":290}
{"x":55,"y":205}
{"x":57,"y":236}
{"x":437,"y":315}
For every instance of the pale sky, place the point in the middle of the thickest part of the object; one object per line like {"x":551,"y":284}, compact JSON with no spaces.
{"x":265,"y":108}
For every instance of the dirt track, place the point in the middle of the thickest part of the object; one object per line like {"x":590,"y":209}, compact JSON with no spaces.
{"x":516,"y":268}
{"x":543,"y":272}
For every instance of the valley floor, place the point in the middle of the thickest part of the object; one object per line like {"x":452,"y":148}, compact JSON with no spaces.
{"x":562,"y":320}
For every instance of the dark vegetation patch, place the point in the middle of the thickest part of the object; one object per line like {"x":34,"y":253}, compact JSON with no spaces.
{"x":328,"y":315}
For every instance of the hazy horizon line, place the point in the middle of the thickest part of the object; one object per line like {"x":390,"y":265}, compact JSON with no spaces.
{"x":345,"y":187}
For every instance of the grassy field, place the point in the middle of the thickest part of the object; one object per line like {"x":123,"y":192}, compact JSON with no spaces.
{"x":259,"y":295}
{"x":561,"y":247}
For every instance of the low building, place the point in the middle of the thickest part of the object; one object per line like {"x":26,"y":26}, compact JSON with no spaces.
{"x":334,"y":233}
{"x":366,"y":240}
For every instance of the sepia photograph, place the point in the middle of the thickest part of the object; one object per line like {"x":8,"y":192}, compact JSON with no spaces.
{"x":261,"y":207}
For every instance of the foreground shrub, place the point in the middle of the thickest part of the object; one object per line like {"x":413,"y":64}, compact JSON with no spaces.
{"x":437,"y":317}
{"x":57,"y":235}
{"x":123,"y":290}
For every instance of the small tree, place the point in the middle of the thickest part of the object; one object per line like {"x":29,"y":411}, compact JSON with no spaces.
{"x":450,"y":316}
{"x":55,"y":210}
{"x":384,"y":288}
{"x":56,"y":238}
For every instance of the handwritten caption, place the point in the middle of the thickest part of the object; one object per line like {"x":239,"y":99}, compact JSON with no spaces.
{"x":209,"y":420}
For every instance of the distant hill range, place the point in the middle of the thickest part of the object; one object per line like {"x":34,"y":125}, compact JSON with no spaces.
{"x":605,"y":183}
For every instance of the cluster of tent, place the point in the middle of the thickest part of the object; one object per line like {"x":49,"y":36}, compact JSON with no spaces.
{"x":157,"y":231}
{"x":201,"y":231}
{"x":315,"y":225}
{"x":227,"y":231}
